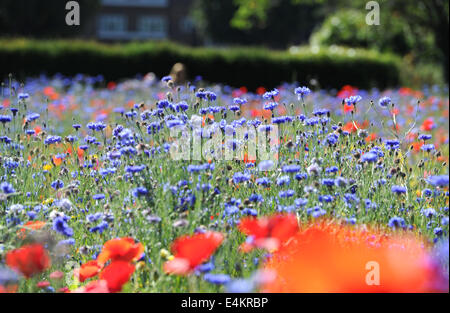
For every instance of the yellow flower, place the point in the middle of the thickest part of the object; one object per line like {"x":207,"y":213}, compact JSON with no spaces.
{"x":48,"y":201}
{"x":165,"y":254}
{"x":47,"y":167}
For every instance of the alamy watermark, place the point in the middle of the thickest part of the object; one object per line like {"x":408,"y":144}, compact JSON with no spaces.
{"x":373,"y":276}
{"x":246,"y":143}
{"x":373,"y":17}
{"x":73,"y":16}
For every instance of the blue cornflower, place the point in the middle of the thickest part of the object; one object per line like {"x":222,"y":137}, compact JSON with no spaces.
{"x":23,"y":96}
{"x":425,"y":137}
{"x":384,"y":102}
{"x":249,"y":211}
{"x":57,"y":184}
{"x":286,"y":193}
{"x":5,"y":119}
{"x":271,"y":94}
{"x":139,"y":191}
{"x":397,"y":222}
{"x":392,"y":144}
{"x":96,"y":126}
{"x":438,"y":231}
{"x":302,"y":91}
{"x":332,"y":169}
{"x":429,"y":213}
{"x":99,"y":228}
{"x":240,"y":286}
{"x":7,"y":188}
{"x":60,"y":225}
{"x":217,"y":279}
{"x":240,"y":177}
{"x":316,"y":212}
{"x":320,"y":112}
{"x":301,"y":176}
{"x":263,"y":181}
{"x":398,"y":189}
{"x":428,"y":147}
{"x":353,"y":99}
{"x":32,"y":117}
{"x":326,"y":198}
{"x":99,"y":196}
{"x":369,"y":157}
{"x":182,"y":105}
{"x":239,"y":101}
{"x":279,"y":120}
{"x":265,"y":165}
{"x":8,"y":277}
{"x":293,"y":168}
{"x":166,"y":78}
{"x":283,"y":180}
{"x":52,"y":140}
{"x":270,"y":106}
{"x":328,"y":182}
{"x":438,"y":181}
{"x":134,"y":168}
{"x":162,"y":104}
{"x":301,"y":202}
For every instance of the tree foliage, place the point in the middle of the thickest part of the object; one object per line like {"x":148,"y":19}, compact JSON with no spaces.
{"x":423,"y":18}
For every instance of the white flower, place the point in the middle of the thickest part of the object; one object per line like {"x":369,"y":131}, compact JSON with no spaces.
{"x":15,"y":208}
{"x":65,"y":204}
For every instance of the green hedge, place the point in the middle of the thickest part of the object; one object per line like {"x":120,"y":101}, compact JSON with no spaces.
{"x":250,"y":67}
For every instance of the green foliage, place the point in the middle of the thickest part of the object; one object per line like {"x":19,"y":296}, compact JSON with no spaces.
{"x":276,"y":24}
{"x":349,"y":28}
{"x":251,"y":67}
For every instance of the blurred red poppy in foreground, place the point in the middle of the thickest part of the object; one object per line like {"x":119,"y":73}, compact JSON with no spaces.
{"x":120,"y":249}
{"x":28,"y":260}
{"x":117,"y":274}
{"x":122,"y":252}
{"x":87,"y":270}
{"x":191,"y":251}
{"x":97,"y":286}
{"x":326,"y":257}
{"x":268,"y":232}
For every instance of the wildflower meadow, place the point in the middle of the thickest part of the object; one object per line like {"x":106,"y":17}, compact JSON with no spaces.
{"x":146,"y":185}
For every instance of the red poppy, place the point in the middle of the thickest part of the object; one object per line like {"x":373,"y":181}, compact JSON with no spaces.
{"x":328,"y":257}
{"x":117,"y":274}
{"x":30,"y":225}
{"x":120,"y":249}
{"x":260,"y":90}
{"x":427,"y":125}
{"x":347,"y":91}
{"x":8,"y":289}
{"x":371,"y":137}
{"x":268,"y":232}
{"x":28,"y":260}
{"x":111,"y":85}
{"x":43,"y":284}
{"x":87,"y":270}
{"x":96,"y":286}
{"x":349,"y":108}
{"x":191,"y":251}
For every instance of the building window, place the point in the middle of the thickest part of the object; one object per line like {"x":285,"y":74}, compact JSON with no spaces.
{"x":152,"y":26}
{"x":187,"y":25}
{"x":112,"y":25}
{"x":137,"y":3}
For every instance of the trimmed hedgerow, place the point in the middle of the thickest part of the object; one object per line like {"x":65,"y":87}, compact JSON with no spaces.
{"x":237,"y":66}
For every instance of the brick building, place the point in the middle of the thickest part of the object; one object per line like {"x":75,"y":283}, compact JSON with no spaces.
{"x":124,"y":20}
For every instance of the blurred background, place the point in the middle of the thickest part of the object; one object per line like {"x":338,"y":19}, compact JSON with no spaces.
{"x":324,"y":41}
